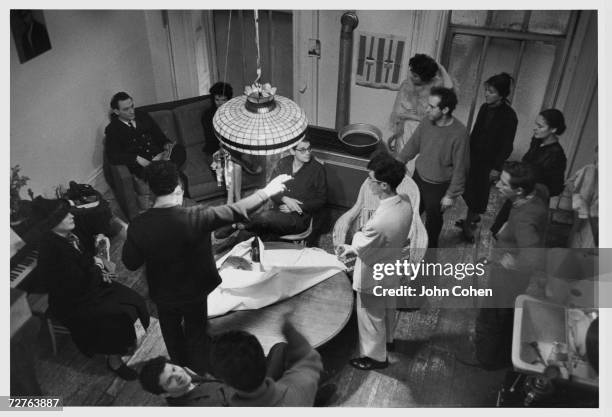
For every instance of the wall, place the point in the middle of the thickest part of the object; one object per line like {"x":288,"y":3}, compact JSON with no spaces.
{"x":368,"y":105}
{"x":578,"y":95}
{"x":60,"y":99}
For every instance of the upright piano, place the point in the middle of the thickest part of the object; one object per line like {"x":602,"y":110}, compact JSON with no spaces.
{"x":24,"y":326}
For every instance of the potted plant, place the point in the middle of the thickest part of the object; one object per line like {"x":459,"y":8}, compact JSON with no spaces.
{"x":19,"y":207}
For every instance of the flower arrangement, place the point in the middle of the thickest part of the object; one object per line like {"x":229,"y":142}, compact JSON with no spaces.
{"x":17,"y":183}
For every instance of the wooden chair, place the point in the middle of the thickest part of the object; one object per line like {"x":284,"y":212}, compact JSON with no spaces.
{"x":365,"y":206}
{"x":39,"y":304}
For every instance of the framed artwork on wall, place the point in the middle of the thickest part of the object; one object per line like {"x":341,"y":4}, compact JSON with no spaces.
{"x":379,"y":60}
{"x":29,"y":33}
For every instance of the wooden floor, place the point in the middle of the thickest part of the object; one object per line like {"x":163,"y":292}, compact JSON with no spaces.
{"x":423,"y":372}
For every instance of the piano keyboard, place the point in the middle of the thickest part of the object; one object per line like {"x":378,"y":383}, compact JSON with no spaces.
{"x":23,"y":268}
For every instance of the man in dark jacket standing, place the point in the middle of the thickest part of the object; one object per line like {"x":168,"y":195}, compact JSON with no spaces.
{"x":173,"y":242}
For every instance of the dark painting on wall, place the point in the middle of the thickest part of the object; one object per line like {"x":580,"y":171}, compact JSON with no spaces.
{"x":29,"y":33}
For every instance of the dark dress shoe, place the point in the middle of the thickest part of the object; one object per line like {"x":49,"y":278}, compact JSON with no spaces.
{"x":324,"y":395}
{"x":460,"y":223}
{"x":123,"y":372}
{"x":468,"y":237}
{"x":391,"y":346}
{"x":367,"y":364}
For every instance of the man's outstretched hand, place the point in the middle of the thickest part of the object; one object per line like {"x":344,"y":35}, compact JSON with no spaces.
{"x":277,"y":185}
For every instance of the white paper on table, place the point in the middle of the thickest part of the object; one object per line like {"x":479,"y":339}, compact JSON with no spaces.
{"x":286,"y":270}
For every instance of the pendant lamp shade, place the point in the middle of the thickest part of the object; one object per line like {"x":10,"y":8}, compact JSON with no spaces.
{"x":259,"y":124}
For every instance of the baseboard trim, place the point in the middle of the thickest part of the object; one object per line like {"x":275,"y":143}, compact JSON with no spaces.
{"x":97,"y":181}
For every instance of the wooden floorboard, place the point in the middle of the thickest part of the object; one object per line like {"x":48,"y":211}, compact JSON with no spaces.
{"x":424,"y":371}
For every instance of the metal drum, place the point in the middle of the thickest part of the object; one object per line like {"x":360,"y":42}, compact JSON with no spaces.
{"x":360,"y":138}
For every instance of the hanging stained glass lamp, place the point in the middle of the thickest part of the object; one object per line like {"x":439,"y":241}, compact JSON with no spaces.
{"x":259,"y":122}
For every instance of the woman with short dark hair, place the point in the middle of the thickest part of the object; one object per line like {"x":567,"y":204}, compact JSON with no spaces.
{"x":547,"y":157}
{"x":491,"y":144}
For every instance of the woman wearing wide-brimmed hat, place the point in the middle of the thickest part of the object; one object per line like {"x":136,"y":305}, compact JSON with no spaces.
{"x":99,"y":312}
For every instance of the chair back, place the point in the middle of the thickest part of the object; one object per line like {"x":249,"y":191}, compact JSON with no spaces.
{"x":418,"y":234}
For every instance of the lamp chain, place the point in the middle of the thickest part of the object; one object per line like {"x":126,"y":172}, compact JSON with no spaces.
{"x":229,"y":28}
{"x":256,"y":16}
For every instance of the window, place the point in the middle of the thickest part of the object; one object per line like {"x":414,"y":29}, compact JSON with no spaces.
{"x":529,"y":45}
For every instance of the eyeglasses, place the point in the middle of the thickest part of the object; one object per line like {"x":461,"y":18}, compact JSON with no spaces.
{"x":375,"y":180}
{"x":304,"y":150}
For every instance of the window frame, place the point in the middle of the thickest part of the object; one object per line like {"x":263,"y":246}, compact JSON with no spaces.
{"x":562,"y":43}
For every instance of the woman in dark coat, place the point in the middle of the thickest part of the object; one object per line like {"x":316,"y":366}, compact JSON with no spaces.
{"x":99,"y":312}
{"x":491,"y":144}
{"x":547,"y":157}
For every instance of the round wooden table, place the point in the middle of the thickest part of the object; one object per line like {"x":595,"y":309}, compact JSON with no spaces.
{"x":319,"y":313}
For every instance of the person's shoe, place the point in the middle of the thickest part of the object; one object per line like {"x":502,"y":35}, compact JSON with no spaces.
{"x":468,"y":236}
{"x":461,"y":222}
{"x":367,"y":364}
{"x":324,"y":395}
{"x":391,"y":346}
{"x":123,"y":371}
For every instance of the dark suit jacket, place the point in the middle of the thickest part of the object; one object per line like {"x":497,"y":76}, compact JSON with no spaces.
{"x":174,"y":245}
{"x":123,"y":144}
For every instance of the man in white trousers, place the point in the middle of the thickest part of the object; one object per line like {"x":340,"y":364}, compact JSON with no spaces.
{"x":379,"y":242}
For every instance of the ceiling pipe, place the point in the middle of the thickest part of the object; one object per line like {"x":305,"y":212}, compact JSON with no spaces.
{"x":349,"y":22}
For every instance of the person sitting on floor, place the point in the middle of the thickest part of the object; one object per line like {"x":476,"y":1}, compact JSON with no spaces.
{"x":99,"y":312}
{"x":181,"y":386}
{"x":305,"y":195}
{"x":237,"y":358}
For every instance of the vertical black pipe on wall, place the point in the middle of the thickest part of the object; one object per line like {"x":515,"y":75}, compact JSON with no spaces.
{"x":349,"y":22}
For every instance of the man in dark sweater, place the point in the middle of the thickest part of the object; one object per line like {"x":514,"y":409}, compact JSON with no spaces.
{"x":442,"y":143}
{"x":305,"y":196}
{"x":174,"y":244}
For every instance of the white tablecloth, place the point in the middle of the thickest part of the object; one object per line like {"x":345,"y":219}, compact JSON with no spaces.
{"x":285,"y":270}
